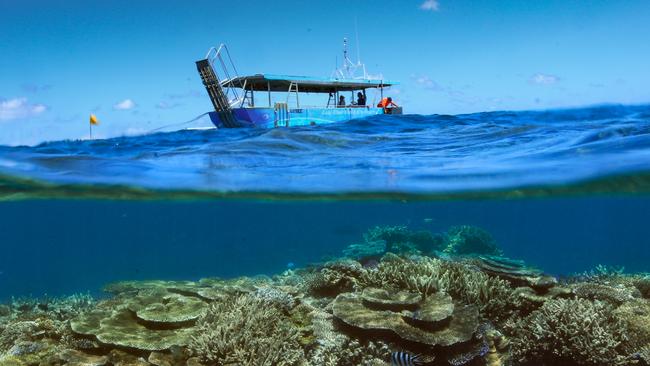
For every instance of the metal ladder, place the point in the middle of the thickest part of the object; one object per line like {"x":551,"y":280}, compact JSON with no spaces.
{"x":218,"y":90}
{"x":217,"y":96}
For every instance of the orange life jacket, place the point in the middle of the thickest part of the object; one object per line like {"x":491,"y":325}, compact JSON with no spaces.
{"x":386,"y":104}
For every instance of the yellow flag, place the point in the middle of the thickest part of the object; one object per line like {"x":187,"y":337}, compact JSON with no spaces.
{"x":93,"y":120}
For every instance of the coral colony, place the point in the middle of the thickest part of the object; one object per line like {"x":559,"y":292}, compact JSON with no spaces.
{"x":398,"y":296}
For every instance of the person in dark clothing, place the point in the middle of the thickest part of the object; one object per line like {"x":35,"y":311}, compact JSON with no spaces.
{"x":361,"y":99}
{"x":341,"y":101}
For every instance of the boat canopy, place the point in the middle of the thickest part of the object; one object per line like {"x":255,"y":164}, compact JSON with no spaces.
{"x":282,"y":83}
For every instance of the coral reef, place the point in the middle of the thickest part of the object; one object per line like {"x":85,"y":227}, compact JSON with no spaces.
{"x":394,"y":239}
{"x":452,"y":298}
{"x":334,"y":278}
{"x":643,"y":285}
{"x":636,"y":315}
{"x":246,"y":330}
{"x":579,"y":331}
{"x":427,"y":275}
{"x":441,"y":322}
{"x":514,"y":271}
{"x":615,"y":294}
{"x":466,"y":239}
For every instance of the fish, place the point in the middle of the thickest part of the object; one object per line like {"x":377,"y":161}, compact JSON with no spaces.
{"x":399,"y":358}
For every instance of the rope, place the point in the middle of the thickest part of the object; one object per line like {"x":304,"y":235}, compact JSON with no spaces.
{"x":179,"y":124}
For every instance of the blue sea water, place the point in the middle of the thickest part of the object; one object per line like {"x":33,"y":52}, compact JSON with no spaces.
{"x":564,"y":190}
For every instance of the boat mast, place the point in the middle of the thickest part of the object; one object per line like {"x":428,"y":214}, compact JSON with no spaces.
{"x":346,"y":61}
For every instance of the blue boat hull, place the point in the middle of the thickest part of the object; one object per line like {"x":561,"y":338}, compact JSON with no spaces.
{"x":269,"y":117}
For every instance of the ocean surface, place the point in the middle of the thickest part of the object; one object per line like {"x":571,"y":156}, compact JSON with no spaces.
{"x":564,"y":190}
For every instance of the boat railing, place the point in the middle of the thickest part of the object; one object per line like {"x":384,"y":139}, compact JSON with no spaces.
{"x":228,"y":72}
{"x":293,"y":106}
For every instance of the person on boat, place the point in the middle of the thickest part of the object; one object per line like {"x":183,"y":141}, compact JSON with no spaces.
{"x":341,"y":101}
{"x":387,"y":104}
{"x":361,"y":99}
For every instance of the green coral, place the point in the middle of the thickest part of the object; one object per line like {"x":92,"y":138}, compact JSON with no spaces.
{"x":466,"y":239}
{"x":380,"y":240}
{"x":246,"y":330}
{"x":578,"y":331}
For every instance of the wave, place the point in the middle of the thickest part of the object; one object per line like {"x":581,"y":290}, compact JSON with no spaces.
{"x":411,"y":155}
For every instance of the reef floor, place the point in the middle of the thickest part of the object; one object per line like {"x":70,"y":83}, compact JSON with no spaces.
{"x":436,"y":299}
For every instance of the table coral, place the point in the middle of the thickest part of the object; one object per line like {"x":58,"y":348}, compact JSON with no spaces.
{"x":350,"y":309}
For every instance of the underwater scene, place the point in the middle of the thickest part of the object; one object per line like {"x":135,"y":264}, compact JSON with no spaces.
{"x":500,"y":238}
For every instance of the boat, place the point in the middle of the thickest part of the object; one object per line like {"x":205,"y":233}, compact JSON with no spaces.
{"x":270,"y":100}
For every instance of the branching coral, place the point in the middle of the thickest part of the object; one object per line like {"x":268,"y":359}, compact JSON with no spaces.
{"x":396,"y":273}
{"x":336,"y":349}
{"x":275,"y":296}
{"x":636,"y":315}
{"x":59,"y":308}
{"x":471,"y":286}
{"x":334,"y":278}
{"x":578,"y":331}
{"x":18,"y":332}
{"x":644,"y":354}
{"x":246,"y":330}
{"x":32,"y":329}
{"x":426,"y":275}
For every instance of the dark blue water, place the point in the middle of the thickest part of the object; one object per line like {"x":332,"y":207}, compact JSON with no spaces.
{"x":60,"y":247}
{"x":563,"y":190}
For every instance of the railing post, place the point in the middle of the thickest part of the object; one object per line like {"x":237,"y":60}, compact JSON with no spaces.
{"x":252,"y":96}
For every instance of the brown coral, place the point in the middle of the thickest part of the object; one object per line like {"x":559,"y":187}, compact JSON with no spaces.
{"x":411,"y":326}
{"x":246,"y":330}
{"x":578,"y":331}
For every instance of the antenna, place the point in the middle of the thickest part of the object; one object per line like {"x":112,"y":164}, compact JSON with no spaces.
{"x":356,"y":32}
{"x":345,"y":55}
{"x":349,"y":69}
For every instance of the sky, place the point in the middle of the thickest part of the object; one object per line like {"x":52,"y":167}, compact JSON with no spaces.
{"x":132,"y":62}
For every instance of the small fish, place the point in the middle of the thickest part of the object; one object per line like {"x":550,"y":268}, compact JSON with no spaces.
{"x":427,"y":220}
{"x":399,"y":358}
{"x":291,"y":265}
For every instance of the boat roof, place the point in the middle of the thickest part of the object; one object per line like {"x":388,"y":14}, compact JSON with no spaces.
{"x":306,"y":84}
